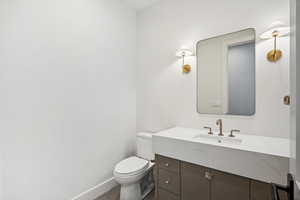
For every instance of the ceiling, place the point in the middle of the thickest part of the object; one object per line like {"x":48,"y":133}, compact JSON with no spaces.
{"x":140,"y":4}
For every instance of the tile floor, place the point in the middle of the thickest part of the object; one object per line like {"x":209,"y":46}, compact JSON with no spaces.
{"x":114,"y":194}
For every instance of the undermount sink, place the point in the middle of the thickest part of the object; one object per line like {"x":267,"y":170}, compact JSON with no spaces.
{"x":218,"y":139}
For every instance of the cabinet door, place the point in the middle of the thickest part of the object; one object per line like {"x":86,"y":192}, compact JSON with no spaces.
{"x":226,"y":186}
{"x":262,"y":191}
{"x":194,"y":185}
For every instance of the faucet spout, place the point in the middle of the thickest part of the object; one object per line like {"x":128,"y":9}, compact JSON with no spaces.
{"x":220,"y":124}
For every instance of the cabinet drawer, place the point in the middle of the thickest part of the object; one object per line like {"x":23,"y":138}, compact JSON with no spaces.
{"x":168,"y":163}
{"x":164,"y":195}
{"x":169,"y":181}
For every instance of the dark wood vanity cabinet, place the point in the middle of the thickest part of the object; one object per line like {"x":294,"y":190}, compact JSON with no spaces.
{"x":178,"y":180}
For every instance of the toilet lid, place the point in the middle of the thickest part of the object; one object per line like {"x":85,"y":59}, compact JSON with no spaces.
{"x":131,"y":165}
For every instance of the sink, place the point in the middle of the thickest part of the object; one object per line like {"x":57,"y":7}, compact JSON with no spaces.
{"x":218,"y":139}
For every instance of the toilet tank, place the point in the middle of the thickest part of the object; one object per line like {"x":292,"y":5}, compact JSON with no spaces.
{"x":144,"y":146}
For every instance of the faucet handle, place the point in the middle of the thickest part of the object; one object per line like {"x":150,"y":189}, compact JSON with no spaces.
{"x":232,"y":131}
{"x":209,"y":130}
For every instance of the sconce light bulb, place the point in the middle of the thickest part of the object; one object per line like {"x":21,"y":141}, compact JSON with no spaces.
{"x":275,"y":33}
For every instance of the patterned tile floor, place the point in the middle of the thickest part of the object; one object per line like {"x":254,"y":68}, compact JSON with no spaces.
{"x":114,"y":194}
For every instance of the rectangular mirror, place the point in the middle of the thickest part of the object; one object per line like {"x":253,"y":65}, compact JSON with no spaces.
{"x":226,"y":74}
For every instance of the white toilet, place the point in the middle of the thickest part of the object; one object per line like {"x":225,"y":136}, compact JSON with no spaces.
{"x":129,"y":172}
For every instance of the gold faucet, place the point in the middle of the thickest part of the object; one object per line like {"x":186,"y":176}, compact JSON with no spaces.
{"x":220,"y":124}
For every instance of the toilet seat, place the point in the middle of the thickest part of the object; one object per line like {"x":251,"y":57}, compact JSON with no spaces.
{"x":131,"y":166}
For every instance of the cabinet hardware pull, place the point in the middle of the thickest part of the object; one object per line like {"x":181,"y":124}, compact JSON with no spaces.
{"x":208,"y":175}
{"x":167,"y":164}
{"x":166,"y":182}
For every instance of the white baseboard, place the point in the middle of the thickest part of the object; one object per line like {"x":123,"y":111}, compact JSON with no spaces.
{"x":97,"y":190}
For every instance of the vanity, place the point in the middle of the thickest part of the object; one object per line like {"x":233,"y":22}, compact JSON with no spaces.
{"x":192,"y":165}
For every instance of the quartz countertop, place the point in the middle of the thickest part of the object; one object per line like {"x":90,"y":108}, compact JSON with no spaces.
{"x":254,"y":143}
{"x":256,"y":157}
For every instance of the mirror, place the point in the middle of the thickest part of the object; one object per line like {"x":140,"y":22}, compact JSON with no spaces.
{"x":226,"y":74}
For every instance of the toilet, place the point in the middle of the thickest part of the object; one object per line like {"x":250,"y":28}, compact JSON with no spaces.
{"x":130,"y":171}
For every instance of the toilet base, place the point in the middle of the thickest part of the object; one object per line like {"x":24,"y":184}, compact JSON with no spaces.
{"x":131,"y":192}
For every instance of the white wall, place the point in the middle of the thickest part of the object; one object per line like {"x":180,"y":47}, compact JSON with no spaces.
{"x":166,"y":97}
{"x":1,"y":176}
{"x":67,"y":84}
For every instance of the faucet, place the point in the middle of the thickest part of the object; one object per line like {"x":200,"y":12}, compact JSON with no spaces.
{"x":209,"y":130}
{"x":232,"y":131}
{"x":220,"y":124}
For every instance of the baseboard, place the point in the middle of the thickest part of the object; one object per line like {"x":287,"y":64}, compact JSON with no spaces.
{"x":97,"y":190}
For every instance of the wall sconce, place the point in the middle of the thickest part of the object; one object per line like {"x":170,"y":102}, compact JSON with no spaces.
{"x":182,"y":53}
{"x":275,"y":30}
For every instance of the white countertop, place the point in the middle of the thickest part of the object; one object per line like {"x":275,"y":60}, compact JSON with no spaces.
{"x":259,"y":144}
{"x":257,"y":157}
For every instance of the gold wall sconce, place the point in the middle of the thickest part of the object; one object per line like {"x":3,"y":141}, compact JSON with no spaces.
{"x":182,"y":53}
{"x":276,"y":29}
